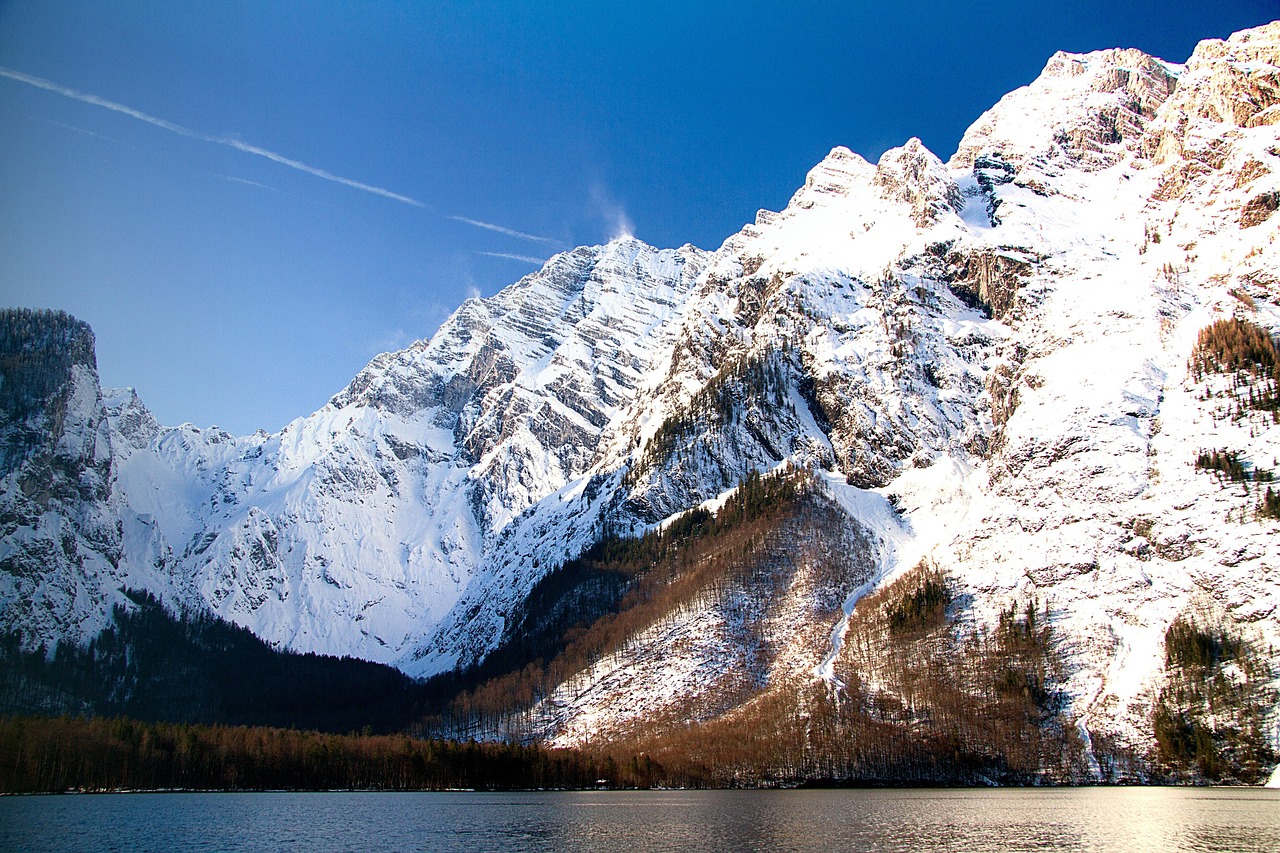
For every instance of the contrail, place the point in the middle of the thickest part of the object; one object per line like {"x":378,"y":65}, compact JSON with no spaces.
{"x":526,"y":258}
{"x":510,"y":232}
{"x":250,"y":183}
{"x":81,"y":130}
{"x":49,"y":85}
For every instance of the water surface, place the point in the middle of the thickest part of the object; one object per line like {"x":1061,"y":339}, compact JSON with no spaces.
{"x":1130,"y":820}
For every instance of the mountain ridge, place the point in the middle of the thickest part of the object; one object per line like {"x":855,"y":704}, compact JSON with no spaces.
{"x":986,"y":356}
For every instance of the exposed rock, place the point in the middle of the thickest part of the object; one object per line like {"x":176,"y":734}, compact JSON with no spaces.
{"x":1087,"y":108}
{"x":912,"y":175}
{"x":1234,"y":82}
{"x":990,"y":278}
{"x":60,"y":537}
{"x":1259,"y":209}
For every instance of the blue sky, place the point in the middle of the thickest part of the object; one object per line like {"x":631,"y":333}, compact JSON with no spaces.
{"x":145,"y":188}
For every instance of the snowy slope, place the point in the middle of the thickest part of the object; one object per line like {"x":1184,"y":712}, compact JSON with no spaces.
{"x":353,"y":531}
{"x":999,"y":343}
{"x":1046,"y":451}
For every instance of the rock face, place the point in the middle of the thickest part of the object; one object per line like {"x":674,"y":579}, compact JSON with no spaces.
{"x":1233,"y":83}
{"x":61,"y":544}
{"x":1084,"y":109}
{"x":999,"y":344}
{"x":912,"y":175}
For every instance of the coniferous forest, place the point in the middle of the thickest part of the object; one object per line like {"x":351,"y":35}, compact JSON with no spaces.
{"x":151,"y":665}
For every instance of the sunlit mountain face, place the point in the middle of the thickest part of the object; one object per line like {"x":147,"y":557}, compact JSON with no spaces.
{"x":997,"y":432}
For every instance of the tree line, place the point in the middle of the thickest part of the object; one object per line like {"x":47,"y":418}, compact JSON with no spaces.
{"x":1210,"y":717}
{"x":56,"y":754}
{"x":151,"y":664}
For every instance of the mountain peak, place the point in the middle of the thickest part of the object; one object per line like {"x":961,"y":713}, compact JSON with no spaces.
{"x":1088,"y":108}
{"x":1099,"y":66}
{"x":1268,"y":33}
{"x":1234,"y":83}
{"x":832,"y":178}
{"x":913,"y":175}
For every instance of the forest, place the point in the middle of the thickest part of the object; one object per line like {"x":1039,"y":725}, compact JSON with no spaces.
{"x":918,"y":701}
{"x":1209,"y":720}
{"x":57,"y":754}
{"x":1247,"y":356}
{"x":152,"y":665}
{"x":621,"y":586}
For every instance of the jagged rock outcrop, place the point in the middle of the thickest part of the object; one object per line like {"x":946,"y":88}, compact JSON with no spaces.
{"x":60,"y":541}
{"x":1087,"y":110}
{"x":913,"y":175}
{"x":1234,"y":82}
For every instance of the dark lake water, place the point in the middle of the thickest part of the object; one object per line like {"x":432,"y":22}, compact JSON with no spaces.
{"x":1112,"y":819}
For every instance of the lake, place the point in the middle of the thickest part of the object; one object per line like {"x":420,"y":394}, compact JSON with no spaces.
{"x":1006,"y":820}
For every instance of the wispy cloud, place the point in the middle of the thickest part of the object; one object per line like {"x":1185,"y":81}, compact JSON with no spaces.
{"x":230,"y":142}
{"x":510,"y":232}
{"x":526,"y":258}
{"x":613,"y":213}
{"x":257,"y":151}
{"x":260,"y":186}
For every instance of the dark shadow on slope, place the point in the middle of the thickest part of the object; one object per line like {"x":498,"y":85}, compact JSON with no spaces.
{"x":153,"y":665}
{"x":590,"y":606}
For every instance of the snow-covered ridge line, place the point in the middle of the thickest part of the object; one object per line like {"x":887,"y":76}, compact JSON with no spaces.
{"x":999,"y":341}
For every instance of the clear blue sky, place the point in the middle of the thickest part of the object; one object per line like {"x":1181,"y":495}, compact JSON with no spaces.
{"x":230,"y":288}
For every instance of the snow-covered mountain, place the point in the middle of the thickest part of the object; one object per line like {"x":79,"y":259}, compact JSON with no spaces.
{"x":988,"y":362}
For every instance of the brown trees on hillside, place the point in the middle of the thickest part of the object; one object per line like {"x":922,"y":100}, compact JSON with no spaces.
{"x":65,"y":753}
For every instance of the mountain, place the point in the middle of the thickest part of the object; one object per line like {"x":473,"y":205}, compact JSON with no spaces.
{"x":1022,"y":405}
